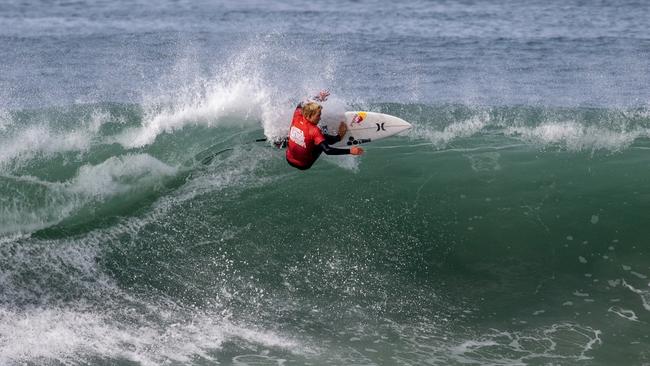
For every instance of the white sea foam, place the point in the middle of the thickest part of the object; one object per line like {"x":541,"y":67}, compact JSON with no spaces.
{"x":51,"y":202}
{"x":572,"y":135}
{"x":48,"y":203}
{"x":488,"y":161}
{"x":118,"y":175}
{"x":60,"y":327}
{"x":46,"y":138}
{"x":644,"y":294}
{"x":41,"y":140}
{"x":5,"y":120}
{"x":243,"y":100}
{"x":93,"y":184}
{"x":565,"y":341}
{"x":576,"y":136}
{"x":241,"y":91}
{"x":465,"y":128}
{"x":624,"y":313}
{"x":73,"y":333}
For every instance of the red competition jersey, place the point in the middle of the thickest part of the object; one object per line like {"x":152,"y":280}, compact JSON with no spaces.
{"x":304,"y":138}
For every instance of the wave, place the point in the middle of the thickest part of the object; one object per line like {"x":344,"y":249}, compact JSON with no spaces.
{"x":59,"y":304}
{"x":59,"y":163}
{"x":37,"y":203}
{"x":573,"y":129}
{"x":79,"y":129}
{"x":133,"y":249}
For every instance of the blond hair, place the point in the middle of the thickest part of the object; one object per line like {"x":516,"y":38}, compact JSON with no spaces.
{"x":311,"y":109}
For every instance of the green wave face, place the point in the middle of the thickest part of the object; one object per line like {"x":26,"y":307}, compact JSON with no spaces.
{"x":481,"y":225}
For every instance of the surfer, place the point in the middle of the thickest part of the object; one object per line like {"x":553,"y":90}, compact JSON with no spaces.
{"x":307,"y":141}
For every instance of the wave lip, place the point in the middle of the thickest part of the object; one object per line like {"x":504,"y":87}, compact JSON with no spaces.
{"x":577,"y":137}
{"x":216,"y":104}
{"x":118,"y":175}
{"x":27,"y":135}
{"x":573,"y":129}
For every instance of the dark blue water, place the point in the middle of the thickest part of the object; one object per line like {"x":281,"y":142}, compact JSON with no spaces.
{"x":508,"y":227}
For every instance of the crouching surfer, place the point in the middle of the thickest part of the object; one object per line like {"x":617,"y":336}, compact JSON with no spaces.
{"x":306,"y":141}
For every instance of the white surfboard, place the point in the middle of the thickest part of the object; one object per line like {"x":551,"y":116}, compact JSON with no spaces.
{"x":365,"y":127}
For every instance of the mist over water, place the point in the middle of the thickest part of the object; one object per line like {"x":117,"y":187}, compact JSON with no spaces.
{"x":508,"y":226}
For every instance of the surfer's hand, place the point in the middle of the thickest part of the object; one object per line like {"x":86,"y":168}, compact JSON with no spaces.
{"x":343,"y":129}
{"x":356,"y":150}
{"x":322,"y":95}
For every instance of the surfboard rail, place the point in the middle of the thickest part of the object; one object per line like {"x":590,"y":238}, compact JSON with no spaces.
{"x":365,"y":127}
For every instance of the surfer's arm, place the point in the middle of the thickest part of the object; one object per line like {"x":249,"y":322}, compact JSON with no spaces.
{"x":327,"y":149}
{"x":332,"y":139}
{"x":319,"y":98}
{"x":322,"y":95}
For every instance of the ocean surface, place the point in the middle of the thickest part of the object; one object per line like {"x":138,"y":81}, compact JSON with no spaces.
{"x":509,"y":226}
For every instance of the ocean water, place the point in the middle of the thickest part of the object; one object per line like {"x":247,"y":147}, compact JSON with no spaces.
{"x":509,"y":226}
